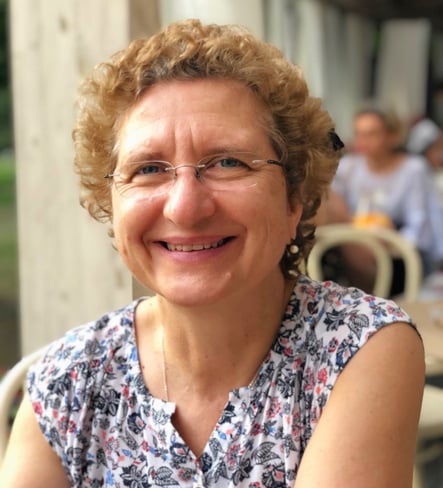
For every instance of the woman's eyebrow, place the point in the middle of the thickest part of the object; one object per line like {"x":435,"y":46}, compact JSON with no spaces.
{"x":141,"y":154}
{"x":227,"y":149}
{"x":145,"y":154}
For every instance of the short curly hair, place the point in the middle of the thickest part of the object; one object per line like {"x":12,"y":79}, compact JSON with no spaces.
{"x":300,"y":131}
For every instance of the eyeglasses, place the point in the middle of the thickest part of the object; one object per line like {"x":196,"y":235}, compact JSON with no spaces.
{"x":220,"y":172}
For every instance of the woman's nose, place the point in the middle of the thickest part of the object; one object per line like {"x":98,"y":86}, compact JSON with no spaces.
{"x":188,"y":201}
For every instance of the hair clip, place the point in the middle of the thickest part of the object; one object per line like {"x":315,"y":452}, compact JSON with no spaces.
{"x":337,"y":143}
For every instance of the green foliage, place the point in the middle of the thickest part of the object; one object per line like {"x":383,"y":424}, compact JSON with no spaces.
{"x":9,"y":324}
{"x":7,"y":181}
{"x":8,"y":231}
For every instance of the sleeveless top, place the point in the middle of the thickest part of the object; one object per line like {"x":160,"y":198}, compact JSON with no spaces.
{"x":99,"y":417}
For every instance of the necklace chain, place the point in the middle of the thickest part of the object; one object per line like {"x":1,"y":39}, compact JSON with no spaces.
{"x":165,"y":378}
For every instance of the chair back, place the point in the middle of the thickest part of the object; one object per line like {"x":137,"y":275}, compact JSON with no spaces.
{"x":383,"y":243}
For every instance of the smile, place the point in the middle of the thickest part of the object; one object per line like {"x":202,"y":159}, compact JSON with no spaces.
{"x":195,"y":247}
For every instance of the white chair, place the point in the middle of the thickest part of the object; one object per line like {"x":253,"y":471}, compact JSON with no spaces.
{"x":399,"y":246}
{"x":334,"y":235}
{"x":10,"y":385}
{"x":384,"y":244}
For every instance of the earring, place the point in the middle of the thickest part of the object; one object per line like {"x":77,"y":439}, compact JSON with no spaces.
{"x":293,"y":249}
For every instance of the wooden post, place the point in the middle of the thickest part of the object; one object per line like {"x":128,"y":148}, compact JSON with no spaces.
{"x":69,"y":272}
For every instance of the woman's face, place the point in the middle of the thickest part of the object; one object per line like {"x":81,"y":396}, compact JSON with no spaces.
{"x":371,"y":136}
{"x":194,"y":244}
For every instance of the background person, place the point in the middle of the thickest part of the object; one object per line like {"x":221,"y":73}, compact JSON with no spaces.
{"x":203,"y":149}
{"x":426,"y":138}
{"x":383,"y":185}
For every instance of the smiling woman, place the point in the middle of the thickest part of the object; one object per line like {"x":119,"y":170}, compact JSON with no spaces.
{"x":187,"y":121}
{"x":205,"y":153}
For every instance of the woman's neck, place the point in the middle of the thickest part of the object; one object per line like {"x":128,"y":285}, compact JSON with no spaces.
{"x":232,"y":336}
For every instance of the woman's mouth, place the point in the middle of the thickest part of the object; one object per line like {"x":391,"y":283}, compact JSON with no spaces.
{"x":195,"y":247}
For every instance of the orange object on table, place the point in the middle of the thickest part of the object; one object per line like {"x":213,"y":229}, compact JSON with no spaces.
{"x":371,"y":220}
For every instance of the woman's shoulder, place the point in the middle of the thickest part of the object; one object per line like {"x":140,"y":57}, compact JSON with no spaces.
{"x":329,"y":296}
{"x":414,"y":164}
{"x":332,"y":316}
{"x":325,"y":327}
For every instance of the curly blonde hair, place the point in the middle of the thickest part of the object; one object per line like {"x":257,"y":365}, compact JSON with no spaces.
{"x":299,"y":129}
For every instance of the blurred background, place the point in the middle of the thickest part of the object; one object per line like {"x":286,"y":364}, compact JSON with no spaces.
{"x":387,"y":52}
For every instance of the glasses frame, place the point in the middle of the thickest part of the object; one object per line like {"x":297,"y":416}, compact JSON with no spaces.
{"x":197,"y":167}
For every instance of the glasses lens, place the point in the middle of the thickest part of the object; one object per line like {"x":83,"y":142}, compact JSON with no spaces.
{"x":135,"y":179}
{"x":232,"y":171}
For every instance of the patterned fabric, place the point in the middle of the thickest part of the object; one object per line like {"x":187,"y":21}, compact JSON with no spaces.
{"x":97,"y":414}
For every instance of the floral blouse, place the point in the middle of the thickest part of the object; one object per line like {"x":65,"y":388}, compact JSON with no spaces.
{"x":108,"y":430}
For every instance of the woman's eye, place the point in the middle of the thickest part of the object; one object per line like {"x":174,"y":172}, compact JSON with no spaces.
{"x":151,"y":168}
{"x":140,"y":172}
{"x":231,"y":163}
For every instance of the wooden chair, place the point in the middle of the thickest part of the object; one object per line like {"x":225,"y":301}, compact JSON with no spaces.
{"x":11,"y":384}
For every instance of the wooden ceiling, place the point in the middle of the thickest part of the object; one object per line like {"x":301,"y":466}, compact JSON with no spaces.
{"x":392,"y":9}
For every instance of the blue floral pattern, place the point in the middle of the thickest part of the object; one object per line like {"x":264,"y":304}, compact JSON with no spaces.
{"x":95,"y":411}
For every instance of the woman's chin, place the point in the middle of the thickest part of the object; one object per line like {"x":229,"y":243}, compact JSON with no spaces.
{"x":195,"y":292}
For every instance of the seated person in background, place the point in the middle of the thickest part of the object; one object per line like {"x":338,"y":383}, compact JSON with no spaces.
{"x":384,"y":186}
{"x":425,"y":138}
{"x":204,"y":151}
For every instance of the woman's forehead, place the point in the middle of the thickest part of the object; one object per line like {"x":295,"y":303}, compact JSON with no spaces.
{"x":203,"y":111}
{"x":209,"y":95}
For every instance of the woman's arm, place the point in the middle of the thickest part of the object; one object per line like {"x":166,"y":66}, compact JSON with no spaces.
{"x":29,"y":460}
{"x":366,"y":436}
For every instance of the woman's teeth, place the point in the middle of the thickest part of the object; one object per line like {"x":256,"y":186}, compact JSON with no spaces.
{"x":194,"y":247}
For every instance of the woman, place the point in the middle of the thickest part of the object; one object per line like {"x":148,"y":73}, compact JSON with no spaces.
{"x":384,"y":186}
{"x":215,"y":160}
